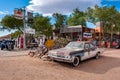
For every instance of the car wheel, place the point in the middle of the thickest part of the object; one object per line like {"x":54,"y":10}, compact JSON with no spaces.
{"x":97,"y":56}
{"x":76,"y":61}
{"x":1,"y":48}
{"x":117,"y":47}
{"x":12,"y":47}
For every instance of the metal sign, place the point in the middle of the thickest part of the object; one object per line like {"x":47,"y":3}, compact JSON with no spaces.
{"x":30,"y":17}
{"x":19,"y":13}
{"x":30,"y":14}
{"x":30,"y":31}
{"x":87,"y":35}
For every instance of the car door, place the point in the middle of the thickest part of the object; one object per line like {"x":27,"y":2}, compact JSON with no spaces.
{"x":93,"y":50}
{"x":86,"y":51}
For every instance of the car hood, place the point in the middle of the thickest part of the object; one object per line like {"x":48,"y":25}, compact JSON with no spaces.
{"x":64,"y":51}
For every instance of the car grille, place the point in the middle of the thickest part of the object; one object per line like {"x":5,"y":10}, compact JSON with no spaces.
{"x":61,"y":56}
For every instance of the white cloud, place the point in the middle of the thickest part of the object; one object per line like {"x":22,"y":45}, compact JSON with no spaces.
{"x":48,"y":7}
{"x":3,"y":12}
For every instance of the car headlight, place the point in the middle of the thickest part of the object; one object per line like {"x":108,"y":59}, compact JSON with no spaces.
{"x":51,"y":53}
{"x":68,"y":56}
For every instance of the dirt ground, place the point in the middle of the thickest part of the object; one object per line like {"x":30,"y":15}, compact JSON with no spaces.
{"x":28,"y":68}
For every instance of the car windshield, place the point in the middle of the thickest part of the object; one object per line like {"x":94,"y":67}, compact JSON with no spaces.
{"x":75,"y":45}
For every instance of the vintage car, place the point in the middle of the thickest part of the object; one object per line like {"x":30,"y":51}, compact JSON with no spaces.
{"x":116,"y":43}
{"x":7,"y":44}
{"x":74,"y":52}
{"x":0,"y":43}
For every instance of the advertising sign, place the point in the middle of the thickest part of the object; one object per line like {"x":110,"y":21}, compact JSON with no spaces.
{"x":30,"y":31}
{"x":19,"y":13}
{"x":30,"y":17}
{"x":87,"y":35}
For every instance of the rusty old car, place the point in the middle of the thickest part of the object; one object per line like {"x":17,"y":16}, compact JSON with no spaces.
{"x":74,"y":52}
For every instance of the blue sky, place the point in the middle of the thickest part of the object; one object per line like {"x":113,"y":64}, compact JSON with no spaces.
{"x":47,"y":7}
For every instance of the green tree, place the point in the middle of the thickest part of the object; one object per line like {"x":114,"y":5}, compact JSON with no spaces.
{"x":116,"y":23}
{"x":90,"y":15}
{"x":42,"y":25}
{"x":77,"y":18}
{"x":10,"y":23}
{"x":109,"y":16}
{"x":60,"y":20}
{"x":106,"y":15}
{"x":15,"y":34}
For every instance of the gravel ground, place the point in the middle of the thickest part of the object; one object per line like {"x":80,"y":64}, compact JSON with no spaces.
{"x":15,"y":65}
{"x":13,"y":53}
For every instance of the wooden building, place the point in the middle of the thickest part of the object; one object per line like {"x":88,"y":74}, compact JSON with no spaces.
{"x":5,"y":37}
{"x":75,"y":32}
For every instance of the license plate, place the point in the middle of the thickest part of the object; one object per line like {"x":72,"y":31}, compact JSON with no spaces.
{"x":60,"y":54}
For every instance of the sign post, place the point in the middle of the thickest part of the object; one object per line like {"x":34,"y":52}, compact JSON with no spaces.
{"x":24,"y":21}
{"x":19,"y":13}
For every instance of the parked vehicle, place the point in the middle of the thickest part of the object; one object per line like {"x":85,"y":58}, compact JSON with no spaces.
{"x":74,"y":52}
{"x":116,"y":43}
{"x":7,"y":44}
{"x":0,"y":43}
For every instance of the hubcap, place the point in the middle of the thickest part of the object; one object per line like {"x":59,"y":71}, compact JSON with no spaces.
{"x":76,"y":61}
{"x":97,"y":56}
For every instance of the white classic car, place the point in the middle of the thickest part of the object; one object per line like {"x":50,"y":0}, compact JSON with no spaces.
{"x":74,"y":52}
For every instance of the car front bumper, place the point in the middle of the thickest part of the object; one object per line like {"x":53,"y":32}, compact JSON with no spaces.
{"x":69,"y":60}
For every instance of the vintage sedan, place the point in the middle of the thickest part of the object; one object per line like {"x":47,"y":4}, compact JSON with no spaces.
{"x":74,"y":52}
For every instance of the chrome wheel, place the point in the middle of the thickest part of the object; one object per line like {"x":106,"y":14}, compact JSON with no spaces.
{"x":97,"y":55}
{"x":76,"y":61}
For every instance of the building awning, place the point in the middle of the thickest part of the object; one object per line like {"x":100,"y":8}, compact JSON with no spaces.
{"x":71,"y":29}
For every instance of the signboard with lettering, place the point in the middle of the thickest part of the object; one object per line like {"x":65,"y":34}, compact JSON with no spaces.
{"x":19,"y":13}
{"x":30,"y":31}
{"x":87,"y":35}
